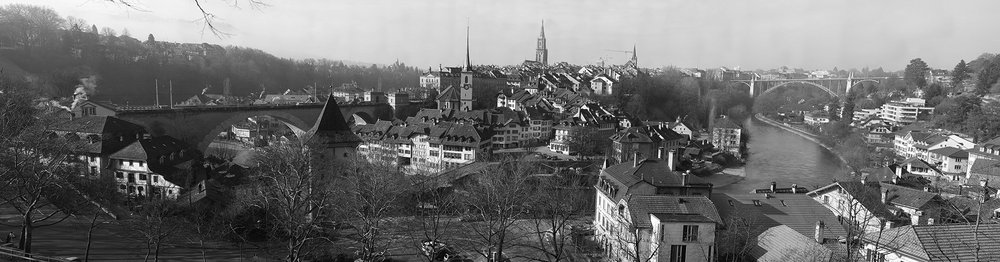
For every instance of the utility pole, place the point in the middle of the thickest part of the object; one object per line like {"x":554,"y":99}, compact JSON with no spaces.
{"x":171,"y":93}
{"x":156,"y":82}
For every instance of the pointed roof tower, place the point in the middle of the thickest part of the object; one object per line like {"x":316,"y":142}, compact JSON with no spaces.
{"x":542,"y":35}
{"x":468,"y":61}
{"x":331,"y":127}
{"x":635,"y":59}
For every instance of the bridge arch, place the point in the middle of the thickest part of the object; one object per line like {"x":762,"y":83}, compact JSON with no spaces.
{"x":862,"y":81}
{"x":824,"y":88}
{"x":296,"y":124}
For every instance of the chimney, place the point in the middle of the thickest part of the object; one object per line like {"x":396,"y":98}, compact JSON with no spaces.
{"x":635,"y":160}
{"x":885,"y":196}
{"x":899,"y":171}
{"x":819,"y":232}
{"x":795,"y":189}
{"x":774,"y":187}
{"x":670,"y":160}
{"x":684,"y":178}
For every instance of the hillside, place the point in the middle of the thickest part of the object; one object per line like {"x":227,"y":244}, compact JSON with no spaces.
{"x":53,"y":54}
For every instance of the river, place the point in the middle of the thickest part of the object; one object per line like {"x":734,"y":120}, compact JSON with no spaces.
{"x":780,"y":156}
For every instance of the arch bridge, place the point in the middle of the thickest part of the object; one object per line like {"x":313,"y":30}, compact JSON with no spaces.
{"x":199,"y":126}
{"x":836,"y":87}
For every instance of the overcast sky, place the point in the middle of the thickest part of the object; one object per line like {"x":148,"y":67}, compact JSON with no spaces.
{"x":692,"y":33}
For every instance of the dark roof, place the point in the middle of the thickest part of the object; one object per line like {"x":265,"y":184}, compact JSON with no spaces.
{"x":952,"y":152}
{"x":150,"y":149}
{"x":98,"y":125}
{"x":941,"y":242}
{"x":640,"y":207}
{"x":724,"y":122}
{"x":797,"y":211}
{"x":332,"y":127}
{"x":449,"y":94}
{"x":905,"y":196}
{"x":653,"y":171}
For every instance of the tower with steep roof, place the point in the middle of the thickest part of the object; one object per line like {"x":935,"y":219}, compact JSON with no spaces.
{"x":333,"y":134}
{"x":465,"y":93}
{"x":542,"y":53}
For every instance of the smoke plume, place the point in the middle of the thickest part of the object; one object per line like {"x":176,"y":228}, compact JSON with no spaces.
{"x":86,"y":88}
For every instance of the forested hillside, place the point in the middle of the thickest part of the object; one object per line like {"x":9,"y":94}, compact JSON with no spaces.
{"x":52,"y":53}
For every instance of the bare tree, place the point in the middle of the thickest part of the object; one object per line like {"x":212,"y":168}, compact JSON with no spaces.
{"x":371,"y":193}
{"x":208,"y":17}
{"x":739,"y":236}
{"x":157,"y":223}
{"x":496,"y":200}
{"x":558,"y":202}
{"x":434,"y":219}
{"x":296,"y":198}
{"x":37,"y":169}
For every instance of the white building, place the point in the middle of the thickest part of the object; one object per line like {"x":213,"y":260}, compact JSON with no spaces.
{"x":154,"y":167}
{"x":909,"y":111}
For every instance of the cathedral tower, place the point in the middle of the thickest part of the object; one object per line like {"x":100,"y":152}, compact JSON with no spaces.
{"x":542,"y":53}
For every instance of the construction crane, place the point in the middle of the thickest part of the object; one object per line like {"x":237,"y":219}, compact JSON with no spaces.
{"x":620,"y":51}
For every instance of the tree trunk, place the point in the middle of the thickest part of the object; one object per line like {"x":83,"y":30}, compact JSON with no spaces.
{"x":156,"y":256}
{"x":26,"y":234}
{"x":148,"y":249}
{"x":90,"y":237}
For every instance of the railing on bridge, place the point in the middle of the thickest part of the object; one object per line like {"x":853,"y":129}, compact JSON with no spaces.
{"x":13,"y":254}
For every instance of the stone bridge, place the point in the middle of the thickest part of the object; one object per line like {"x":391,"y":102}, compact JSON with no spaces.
{"x":199,"y":126}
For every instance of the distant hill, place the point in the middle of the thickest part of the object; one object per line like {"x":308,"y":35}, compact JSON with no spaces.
{"x":54,"y":54}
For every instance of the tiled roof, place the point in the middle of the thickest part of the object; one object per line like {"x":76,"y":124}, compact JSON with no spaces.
{"x":905,"y":196}
{"x":869,"y":197}
{"x":942,"y":242}
{"x":150,"y":149}
{"x":917,"y":162}
{"x":653,"y":171}
{"x":798,"y":212}
{"x":724,"y":122}
{"x":952,"y":152}
{"x":783,"y":244}
{"x":640,"y":207}
{"x":985,"y":166}
{"x":449,"y":94}
{"x":97,"y":125}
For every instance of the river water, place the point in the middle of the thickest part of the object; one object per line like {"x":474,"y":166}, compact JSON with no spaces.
{"x":780,"y":156}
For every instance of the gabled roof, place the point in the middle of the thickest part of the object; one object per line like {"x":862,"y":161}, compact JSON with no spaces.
{"x":941,"y":242}
{"x":449,"y":94}
{"x":898,"y":195}
{"x":98,"y":125}
{"x":797,"y":211}
{"x":149,"y":149}
{"x":640,"y":207}
{"x":724,"y":122}
{"x":985,"y":166}
{"x":951,"y":152}
{"x":652,"y":171}
{"x":782,"y":243}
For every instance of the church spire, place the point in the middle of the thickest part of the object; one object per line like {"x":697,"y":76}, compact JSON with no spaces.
{"x":542,"y":35}
{"x":635,"y":59}
{"x":541,"y":52}
{"x":468,"y":61}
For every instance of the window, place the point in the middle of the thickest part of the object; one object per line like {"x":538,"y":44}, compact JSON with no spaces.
{"x":156,"y":178}
{"x":690,"y":233}
{"x":142,"y":177}
{"x":130,"y":163}
{"x":678,"y":253}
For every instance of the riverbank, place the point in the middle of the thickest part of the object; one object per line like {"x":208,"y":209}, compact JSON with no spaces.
{"x":804,"y":134}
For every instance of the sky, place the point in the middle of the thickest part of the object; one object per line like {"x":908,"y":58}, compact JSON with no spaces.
{"x":748,"y":34}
